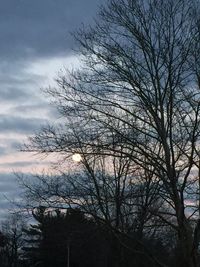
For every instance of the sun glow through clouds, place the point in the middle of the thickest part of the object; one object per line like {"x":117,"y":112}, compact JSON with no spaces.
{"x":77,"y":157}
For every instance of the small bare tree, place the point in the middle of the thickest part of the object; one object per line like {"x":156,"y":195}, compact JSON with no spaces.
{"x":12,"y":231}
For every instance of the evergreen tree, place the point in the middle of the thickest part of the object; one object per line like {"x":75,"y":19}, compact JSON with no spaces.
{"x":60,"y":238}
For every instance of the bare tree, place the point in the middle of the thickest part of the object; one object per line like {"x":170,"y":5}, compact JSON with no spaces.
{"x":139,"y":84}
{"x":12,"y":230}
{"x":109,"y":189}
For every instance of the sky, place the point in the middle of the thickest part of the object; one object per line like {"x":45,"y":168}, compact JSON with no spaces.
{"x":35,"y":44}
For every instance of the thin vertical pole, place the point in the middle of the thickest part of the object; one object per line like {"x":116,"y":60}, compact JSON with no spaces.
{"x":68,"y":254}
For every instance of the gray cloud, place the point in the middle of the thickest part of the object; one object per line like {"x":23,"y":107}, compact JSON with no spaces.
{"x":41,"y":28}
{"x":8,"y":147}
{"x":8,"y":181}
{"x":22,"y":164}
{"x":9,"y":192}
{"x":17,"y":86}
{"x":9,"y":93}
{"x":24,"y":108}
{"x":19,"y":124}
{"x":3,"y":150}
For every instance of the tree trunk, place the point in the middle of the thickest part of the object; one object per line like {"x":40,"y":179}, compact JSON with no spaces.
{"x":186,"y":252}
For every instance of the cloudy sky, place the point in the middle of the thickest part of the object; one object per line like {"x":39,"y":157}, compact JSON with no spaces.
{"x":35,"y":44}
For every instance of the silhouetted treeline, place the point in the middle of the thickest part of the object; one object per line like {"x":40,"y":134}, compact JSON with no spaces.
{"x":70,"y":238}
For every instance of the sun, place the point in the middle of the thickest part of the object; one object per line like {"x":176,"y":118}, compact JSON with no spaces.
{"x":76,"y":157}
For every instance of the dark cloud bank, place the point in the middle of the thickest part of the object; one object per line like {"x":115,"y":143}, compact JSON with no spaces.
{"x":41,"y":27}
